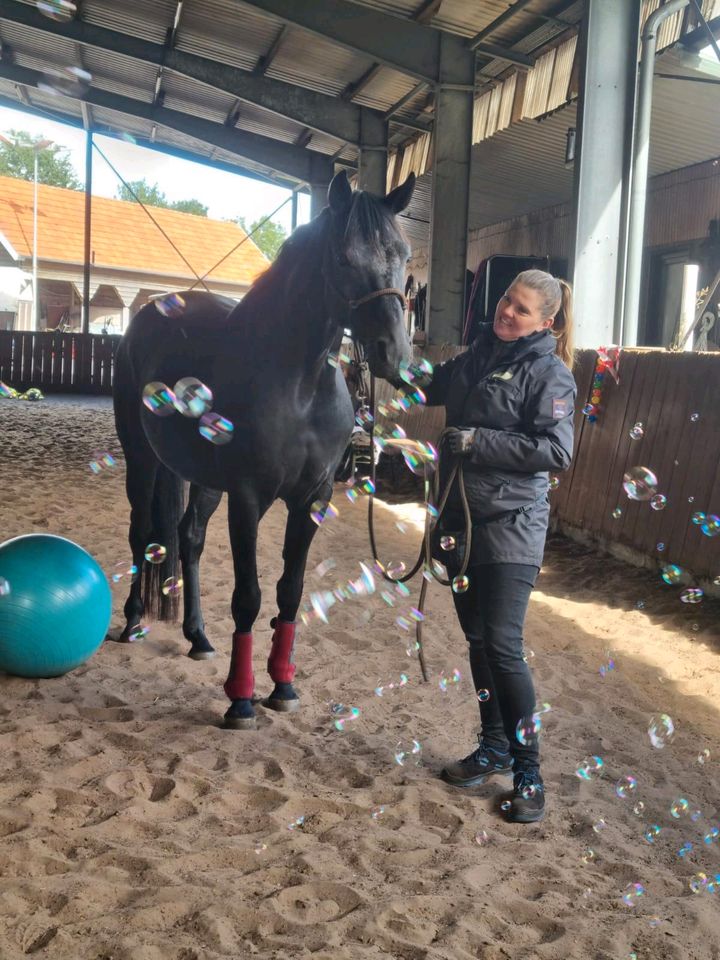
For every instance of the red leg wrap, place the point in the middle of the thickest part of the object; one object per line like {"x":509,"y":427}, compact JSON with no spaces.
{"x":240,"y":683}
{"x":281,"y":666}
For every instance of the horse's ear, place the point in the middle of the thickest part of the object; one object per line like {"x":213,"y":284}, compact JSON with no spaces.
{"x":340,"y":194}
{"x":400,"y":197}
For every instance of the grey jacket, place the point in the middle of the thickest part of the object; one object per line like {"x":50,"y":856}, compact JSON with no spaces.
{"x":520,"y":398}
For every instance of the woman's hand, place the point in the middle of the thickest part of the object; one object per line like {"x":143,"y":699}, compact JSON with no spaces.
{"x":460,"y":442}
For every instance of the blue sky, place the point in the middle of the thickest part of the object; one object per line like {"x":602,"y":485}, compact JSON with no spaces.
{"x":226,"y":195}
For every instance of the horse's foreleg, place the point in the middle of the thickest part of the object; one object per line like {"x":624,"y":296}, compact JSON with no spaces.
{"x":202,"y":504}
{"x":299,"y":534}
{"x":244,"y":514}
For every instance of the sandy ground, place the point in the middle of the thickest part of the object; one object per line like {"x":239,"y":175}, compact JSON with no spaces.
{"x":135,"y":828}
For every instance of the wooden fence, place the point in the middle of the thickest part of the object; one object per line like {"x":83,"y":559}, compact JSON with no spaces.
{"x":676,"y":396}
{"x":58,"y":362}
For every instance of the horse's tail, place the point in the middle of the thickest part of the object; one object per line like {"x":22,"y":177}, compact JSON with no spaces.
{"x":168,"y":504}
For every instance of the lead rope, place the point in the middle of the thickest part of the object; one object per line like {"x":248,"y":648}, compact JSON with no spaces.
{"x":432,"y":491}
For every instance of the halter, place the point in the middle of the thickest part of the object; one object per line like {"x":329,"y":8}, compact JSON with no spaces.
{"x":386,"y":292}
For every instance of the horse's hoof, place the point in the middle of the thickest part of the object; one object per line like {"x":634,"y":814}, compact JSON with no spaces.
{"x":283,"y":699}
{"x":128,"y":635}
{"x":240,"y":723}
{"x":240,"y":716}
{"x":281,"y":706}
{"x":201,"y":654}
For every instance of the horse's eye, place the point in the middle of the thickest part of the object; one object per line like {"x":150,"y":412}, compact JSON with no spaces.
{"x":341,"y":259}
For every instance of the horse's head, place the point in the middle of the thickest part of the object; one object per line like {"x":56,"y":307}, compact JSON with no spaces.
{"x":364,"y":269}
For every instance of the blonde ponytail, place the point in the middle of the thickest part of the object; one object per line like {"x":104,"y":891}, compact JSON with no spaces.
{"x":557,"y":302}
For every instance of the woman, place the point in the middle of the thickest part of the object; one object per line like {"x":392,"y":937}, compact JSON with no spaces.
{"x":511,"y":398}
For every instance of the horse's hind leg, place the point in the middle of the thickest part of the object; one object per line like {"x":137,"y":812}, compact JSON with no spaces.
{"x":299,"y":533}
{"x":202,"y":504}
{"x":139,"y":485}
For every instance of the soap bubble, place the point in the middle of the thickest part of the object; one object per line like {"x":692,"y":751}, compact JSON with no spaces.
{"x":460,"y":584}
{"x":408,"y":752}
{"x":711,"y":525}
{"x":626,"y":786}
{"x":637,"y":432}
{"x":528,"y":729}
{"x":364,"y":416}
{"x":138,"y":633}
{"x":685,"y":849}
{"x":679,"y":808}
{"x":617,"y":513}
{"x":121,"y":570}
{"x":712,"y":835}
{"x":59,"y":10}
{"x":698,"y":882}
{"x":658,"y":502}
{"x":639,"y":808}
{"x":170,"y":305}
{"x":694,"y":417}
{"x":395,"y":569}
{"x":102,"y":462}
{"x":377,"y":812}
{"x":352,"y":715}
{"x":633,"y":893}
{"x":155,"y":553}
{"x":672,"y":573}
{"x":661,"y":731}
{"x":505,"y":806}
{"x":692,"y":595}
{"x":698,"y":517}
{"x":447,"y":543}
{"x":218,"y":430}
{"x":172,"y":587}
{"x":416,"y":372}
{"x":5,"y":588}
{"x":640,"y":483}
{"x":321,"y":511}
{"x":609,"y":665}
{"x":660,"y":547}
{"x":298,"y":822}
{"x":652,"y":832}
{"x":590,"y":768}
{"x":481,"y":838}
{"x":159,"y":399}
{"x":588,"y":855}
{"x":483,"y":695}
{"x":192,"y":397}
{"x":599,"y":825}
{"x":703,"y":757}
{"x":554,"y":483}
{"x":446,"y":681}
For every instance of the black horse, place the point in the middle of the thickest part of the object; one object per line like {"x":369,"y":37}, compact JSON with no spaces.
{"x":266,"y":362}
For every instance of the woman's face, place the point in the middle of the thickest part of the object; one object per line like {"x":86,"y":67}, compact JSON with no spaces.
{"x":518,"y":313}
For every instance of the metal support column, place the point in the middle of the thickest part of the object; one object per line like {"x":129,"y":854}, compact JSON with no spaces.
{"x":450,"y":193}
{"x":608,"y":45}
{"x":641,"y":153}
{"x":372,"y":172}
{"x":321,"y":170}
{"x":293,"y":211}
{"x":88,"y":231}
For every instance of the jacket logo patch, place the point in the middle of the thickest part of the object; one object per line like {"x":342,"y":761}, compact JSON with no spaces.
{"x":560,"y":409}
{"x":502,"y":375}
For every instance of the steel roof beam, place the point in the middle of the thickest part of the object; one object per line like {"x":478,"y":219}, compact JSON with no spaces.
{"x":404,"y":45}
{"x":326,"y":114}
{"x":292,"y":161}
{"x":190,"y":155}
{"x":401,"y":44}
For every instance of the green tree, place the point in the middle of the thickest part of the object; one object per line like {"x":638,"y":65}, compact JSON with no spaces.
{"x":54,"y":165}
{"x":190,"y":206}
{"x":269,"y":237}
{"x":149,"y":194}
{"x":152,"y":196}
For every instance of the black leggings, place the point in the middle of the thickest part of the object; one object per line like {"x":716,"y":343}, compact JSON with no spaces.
{"x":492,"y":614}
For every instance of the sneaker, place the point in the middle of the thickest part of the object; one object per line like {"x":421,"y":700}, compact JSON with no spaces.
{"x":527,"y":803}
{"x":477,"y":766}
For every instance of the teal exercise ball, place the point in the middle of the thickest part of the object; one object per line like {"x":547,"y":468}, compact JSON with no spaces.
{"x":55,"y":606}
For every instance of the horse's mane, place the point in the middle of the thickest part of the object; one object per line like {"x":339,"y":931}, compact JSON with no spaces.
{"x":369,"y":221}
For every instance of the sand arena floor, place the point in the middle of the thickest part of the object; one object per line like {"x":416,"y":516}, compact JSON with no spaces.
{"x":134,"y":828}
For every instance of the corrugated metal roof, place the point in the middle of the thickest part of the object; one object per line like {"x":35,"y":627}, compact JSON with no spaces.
{"x":222,"y":30}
